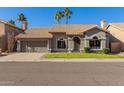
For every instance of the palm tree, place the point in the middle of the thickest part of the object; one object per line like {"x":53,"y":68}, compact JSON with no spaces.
{"x":21,"y":18}
{"x":12,"y":22}
{"x":58,"y":16}
{"x":67,"y":14}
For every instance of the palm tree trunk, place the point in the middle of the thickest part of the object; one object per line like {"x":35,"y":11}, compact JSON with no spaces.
{"x":66,"y":20}
{"x":58,"y":21}
{"x":21,"y":24}
{"x":54,"y":21}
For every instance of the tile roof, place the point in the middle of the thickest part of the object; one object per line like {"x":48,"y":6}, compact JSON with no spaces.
{"x":36,"y":33}
{"x":72,"y":29}
{"x":118,"y":25}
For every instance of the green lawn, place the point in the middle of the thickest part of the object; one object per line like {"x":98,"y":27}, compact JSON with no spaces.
{"x":81,"y":55}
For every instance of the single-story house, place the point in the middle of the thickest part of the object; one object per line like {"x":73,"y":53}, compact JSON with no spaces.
{"x":63,"y":38}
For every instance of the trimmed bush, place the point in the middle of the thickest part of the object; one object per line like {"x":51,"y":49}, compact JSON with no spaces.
{"x":106,"y":50}
{"x":87,"y":50}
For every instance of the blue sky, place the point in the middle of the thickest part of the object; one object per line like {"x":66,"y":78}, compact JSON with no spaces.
{"x":44,"y":16}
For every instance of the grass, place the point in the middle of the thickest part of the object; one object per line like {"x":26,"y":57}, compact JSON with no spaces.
{"x":81,"y":55}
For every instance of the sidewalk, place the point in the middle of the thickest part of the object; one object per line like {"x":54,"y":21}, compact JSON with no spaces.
{"x":38,"y":57}
{"x":66,"y":60}
{"x":85,"y":60}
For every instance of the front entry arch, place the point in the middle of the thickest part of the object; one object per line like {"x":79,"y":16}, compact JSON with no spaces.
{"x":76,"y":43}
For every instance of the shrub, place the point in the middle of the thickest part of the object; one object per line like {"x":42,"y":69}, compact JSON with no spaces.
{"x":106,"y":50}
{"x":87,"y":50}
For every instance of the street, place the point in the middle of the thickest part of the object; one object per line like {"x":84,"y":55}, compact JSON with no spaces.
{"x":62,"y":73}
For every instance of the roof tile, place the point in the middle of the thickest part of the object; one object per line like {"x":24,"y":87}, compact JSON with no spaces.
{"x":36,"y":33}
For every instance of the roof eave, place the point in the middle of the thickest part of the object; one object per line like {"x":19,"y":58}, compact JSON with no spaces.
{"x":34,"y":38}
{"x":7,"y":23}
{"x":97,"y":28}
{"x":57,"y":32}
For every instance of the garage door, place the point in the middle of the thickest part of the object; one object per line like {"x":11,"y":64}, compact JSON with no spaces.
{"x":34,"y":46}
{"x":115,"y":47}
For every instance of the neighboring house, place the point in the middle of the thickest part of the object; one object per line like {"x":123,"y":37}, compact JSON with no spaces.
{"x":7,"y":35}
{"x":63,"y":38}
{"x":116,"y":31}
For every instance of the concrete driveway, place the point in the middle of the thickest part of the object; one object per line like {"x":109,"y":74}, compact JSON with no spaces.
{"x":22,"y":57}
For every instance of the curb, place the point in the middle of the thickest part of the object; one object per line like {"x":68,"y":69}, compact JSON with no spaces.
{"x":69,"y":60}
{"x":4,"y":61}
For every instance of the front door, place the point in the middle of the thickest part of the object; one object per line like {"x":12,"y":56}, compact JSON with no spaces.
{"x":76,"y":43}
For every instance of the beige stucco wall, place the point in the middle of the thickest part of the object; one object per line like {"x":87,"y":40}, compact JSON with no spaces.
{"x":10,"y":33}
{"x":2,"y":37}
{"x":4,"y":31}
{"x":13,"y":29}
{"x":84,"y":41}
{"x":100,"y":35}
{"x":56,"y":36}
{"x":116,"y":35}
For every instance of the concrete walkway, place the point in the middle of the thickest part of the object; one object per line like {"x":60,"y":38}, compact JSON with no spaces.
{"x":121,"y":54}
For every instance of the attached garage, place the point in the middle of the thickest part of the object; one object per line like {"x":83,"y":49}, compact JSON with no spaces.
{"x":34,"y":46}
{"x":34,"y":40}
{"x":115,"y":47}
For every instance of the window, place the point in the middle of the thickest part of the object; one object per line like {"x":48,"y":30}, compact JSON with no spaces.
{"x":61,"y":43}
{"x":95,"y":43}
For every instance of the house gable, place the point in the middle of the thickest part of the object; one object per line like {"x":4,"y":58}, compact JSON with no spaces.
{"x":116,"y":34}
{"x":100,"y":33}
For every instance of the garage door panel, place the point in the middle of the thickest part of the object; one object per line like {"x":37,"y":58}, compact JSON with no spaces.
{"x":115,"y":47}
{"x":34,"y":46}
{"x":23,"y":46}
